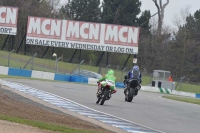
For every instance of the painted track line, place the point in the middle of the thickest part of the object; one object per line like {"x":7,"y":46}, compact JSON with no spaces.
{"x":112,"y":120}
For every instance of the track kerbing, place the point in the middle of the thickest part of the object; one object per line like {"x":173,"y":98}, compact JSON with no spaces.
{"x":81,"y":109}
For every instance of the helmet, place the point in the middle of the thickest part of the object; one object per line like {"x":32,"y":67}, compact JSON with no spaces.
{"x":136,"y":68}
{"x":111,"y":72}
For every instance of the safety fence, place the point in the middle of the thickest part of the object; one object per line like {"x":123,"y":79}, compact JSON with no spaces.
{"x":81,"y":79}
{"x":31,"y":62}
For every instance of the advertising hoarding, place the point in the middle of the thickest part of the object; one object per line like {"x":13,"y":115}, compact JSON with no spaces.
{"x":8,"y":20}
{"x":82,"y":35}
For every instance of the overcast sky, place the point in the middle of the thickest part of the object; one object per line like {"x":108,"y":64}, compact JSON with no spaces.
{"x":171,"y":10}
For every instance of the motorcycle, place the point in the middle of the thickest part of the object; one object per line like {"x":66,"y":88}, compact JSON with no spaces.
{"x":132,"y":90}
{"x":104,"y":94}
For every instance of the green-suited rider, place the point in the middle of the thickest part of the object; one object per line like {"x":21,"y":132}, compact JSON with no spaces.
{"x":108,"y":79}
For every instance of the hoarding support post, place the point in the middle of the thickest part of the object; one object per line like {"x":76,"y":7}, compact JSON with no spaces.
{"x":126,"y":62}
{"x":21,"y":43}
{"x":9,"y":57}
{"x":73,"y":56}
{"x":45,"y":52}
{"x":24,"y":48}
{"x":80,"y":55}
{"x":122,"y":73}
{"x":107,"y":59}
{"x":5,"y":42}
{"x":13,"y":41}
{"x":52,"y":53}
{"x":134,"y":57}
{"x":100,"y":58}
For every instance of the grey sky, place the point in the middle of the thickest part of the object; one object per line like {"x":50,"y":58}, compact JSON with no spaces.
{"x":173,"y":8}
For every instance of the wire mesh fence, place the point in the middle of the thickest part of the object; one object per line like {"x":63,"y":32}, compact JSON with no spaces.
{"x":51,"y":65}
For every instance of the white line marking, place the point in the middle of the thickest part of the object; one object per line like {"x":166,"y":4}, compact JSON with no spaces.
{"x":94,"y":110}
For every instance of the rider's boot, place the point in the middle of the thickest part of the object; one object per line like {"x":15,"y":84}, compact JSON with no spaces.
{"x":138,"y":87}
{"x":99,"y":88}
{"x":125,"y":90}
{"x":97,"y":92}
{"x":114,"y":91}
{"x":136,"y":92}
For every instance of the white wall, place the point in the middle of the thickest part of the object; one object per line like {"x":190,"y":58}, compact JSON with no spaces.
{"x":42,"y":75}
{"x":36,"y":74}
{"x":92,"y":81}
{"x":4,"y":70}
{"x":48,"y":75}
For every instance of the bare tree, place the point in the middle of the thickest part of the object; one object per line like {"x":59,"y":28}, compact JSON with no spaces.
{"x":54,"y":4}
{"x":154,"y":25}
{"x":180,"y":19}
{"x":116,"y":16}
{"x":167,"y":29}
{"x":161,"y":9}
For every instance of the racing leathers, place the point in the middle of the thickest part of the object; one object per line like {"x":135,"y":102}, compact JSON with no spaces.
{"x":133,"y":74}
{"x":109,"y":79}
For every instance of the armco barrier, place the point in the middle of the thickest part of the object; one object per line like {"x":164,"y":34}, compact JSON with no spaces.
{"x":149,"y":88}
{"x":180,"y":93}
{"x":80,"y":79}
{"x":169,"y":91}
{"x":92,"y":81}
{"x":197,"y":96}
{"x":19,"y":72}
{"x":42,"y":75}
{"x":4,"y":70}
{"x":120,"y":85}
{"x":48,"y":75}
{"x":62,"y":77}
{"x":37,"y":74}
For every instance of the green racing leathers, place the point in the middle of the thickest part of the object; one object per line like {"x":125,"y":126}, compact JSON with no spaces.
{"x":109,"y":79}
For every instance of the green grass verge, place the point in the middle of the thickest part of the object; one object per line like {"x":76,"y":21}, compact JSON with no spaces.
{"x":183,"y":99}
{"x":48,"y":65}
{"x":46,"y":126}
{"x":19,"y":77}
{"x":189,"y":88}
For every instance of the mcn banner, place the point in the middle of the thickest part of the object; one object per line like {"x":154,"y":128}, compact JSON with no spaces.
{"x":8,"y":20}
{"x":82,"y":35}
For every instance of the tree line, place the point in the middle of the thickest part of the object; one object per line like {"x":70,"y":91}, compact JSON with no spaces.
{"x":177,"y":52}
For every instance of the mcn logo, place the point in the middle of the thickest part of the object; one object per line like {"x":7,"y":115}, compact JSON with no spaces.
{"x":83,"y":31}
{"x":44,"y":28}
{"x":8,"y":16}
{"x":121,"y":35}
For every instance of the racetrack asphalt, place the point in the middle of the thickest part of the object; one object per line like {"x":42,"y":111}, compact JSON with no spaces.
{"x":148,"y":109}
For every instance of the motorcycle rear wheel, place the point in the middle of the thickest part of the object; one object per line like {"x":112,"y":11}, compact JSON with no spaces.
{"x":130,"y":95}
{"x":104,"y":96}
